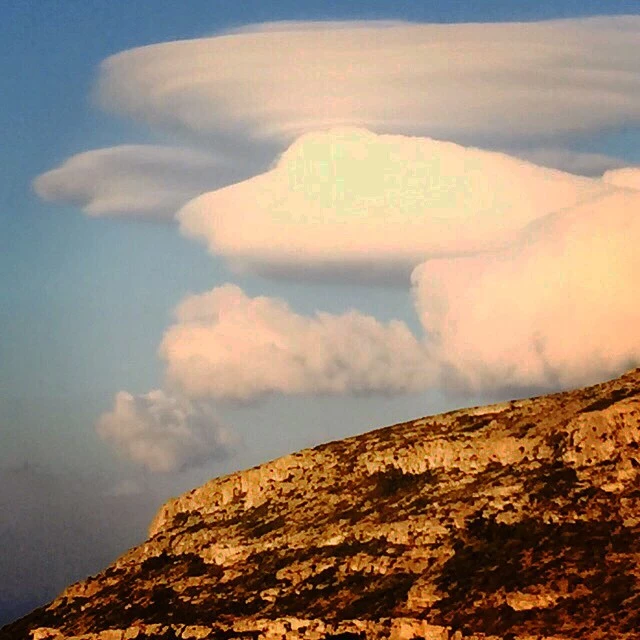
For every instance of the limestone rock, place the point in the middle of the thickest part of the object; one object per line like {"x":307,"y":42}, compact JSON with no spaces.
{"x":517,"y":521}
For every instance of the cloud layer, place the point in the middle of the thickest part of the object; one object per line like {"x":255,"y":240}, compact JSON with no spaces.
{"x":145,"y":181}
{"x":512,"y":80}
{"x":163,"y":432}
{"x":230,"y":347}
{"x":350,"y":201}
{"x":241,"y":94}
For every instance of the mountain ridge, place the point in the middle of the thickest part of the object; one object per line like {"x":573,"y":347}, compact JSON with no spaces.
{"x":518,"y":520}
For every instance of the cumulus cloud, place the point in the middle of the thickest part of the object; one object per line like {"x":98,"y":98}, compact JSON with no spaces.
{"x":162,"y":432}
{"x":558,"y":308}
{"x":554,"y":306}
{"x":146,"y":181}
{"x":348,"y":201}
{"x":231,"y":347}
{"x":511,"y":80}
{"x":627,"y":177}
{"x":526,"y":280}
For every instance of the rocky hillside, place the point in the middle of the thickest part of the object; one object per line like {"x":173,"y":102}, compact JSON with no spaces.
{"x":513,"y":521}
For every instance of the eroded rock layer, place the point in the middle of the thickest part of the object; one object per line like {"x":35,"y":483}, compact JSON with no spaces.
{"x":512,"y":521}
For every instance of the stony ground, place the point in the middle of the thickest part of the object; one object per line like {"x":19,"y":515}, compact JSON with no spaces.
{"x":514,"y":521}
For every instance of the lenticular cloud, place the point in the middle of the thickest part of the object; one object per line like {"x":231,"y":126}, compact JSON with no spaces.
{"x":511,"y":83}
{"x":143,"y":181}
{"x":503,"y":80}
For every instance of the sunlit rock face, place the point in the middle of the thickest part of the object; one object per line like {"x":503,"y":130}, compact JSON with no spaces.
{"x":517,"y":521}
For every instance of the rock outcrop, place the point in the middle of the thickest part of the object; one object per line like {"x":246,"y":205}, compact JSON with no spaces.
{"x":517,"y":521}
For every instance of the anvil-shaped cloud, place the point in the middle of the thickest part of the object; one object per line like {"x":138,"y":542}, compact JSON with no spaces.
{"x":535,"y":289}
{"x":523,"y":277}
{"x":557,"y":307}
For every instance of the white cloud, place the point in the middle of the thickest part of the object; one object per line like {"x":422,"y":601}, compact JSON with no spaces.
{"x":627,"y":177}
{"x":558,"y":308}
{"x":527,"y":281}
{"x":147,"y":181}
{"x":554,"y":306}
{"x":348,"y":201}
{"x":162,"y":432}
{"x":249,"y":92}
{"x":526,"y":270}
{"x":511,"y":80}
{"x":231,"y":347}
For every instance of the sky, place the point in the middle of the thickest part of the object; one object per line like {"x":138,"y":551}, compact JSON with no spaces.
{"x":229,"y":231}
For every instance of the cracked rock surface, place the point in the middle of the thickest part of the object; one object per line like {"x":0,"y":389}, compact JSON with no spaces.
{"x":517,"y":521}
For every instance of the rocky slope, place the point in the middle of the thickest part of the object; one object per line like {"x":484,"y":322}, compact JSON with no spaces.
{"x":513,"y":521}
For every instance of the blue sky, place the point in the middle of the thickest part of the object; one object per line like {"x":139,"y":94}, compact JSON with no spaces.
{"x":86,"y":301}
